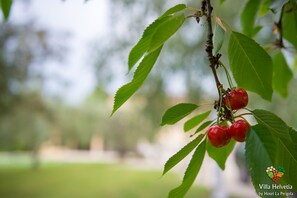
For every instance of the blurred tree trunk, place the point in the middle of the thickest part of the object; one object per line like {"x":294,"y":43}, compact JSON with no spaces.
{"x":35,"y":157}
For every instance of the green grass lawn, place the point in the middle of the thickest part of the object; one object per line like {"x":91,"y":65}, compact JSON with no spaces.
{"x":88,"y":181}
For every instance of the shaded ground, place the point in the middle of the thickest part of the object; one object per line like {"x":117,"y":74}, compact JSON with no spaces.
{"x":88,"y":181}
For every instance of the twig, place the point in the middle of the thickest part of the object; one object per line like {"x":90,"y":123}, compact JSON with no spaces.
{"x":213,"y":60}
{"x":223,"y":112}
{"x":279,"y":25}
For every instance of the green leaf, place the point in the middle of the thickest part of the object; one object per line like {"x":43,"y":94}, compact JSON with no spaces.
{"x":286,"y":156}
{"x":218,"y":38}
{"x":195,"y":121}
{"x":248,"y":17}
{"x":6,"y":7}
{"x":251,"y":65}
{"x":165,"y":31}
{"x":280,"y":152}
{"x":276,"y":125}
{"x":177,"y":112}
{"x":265,"y":7}
{"x":293,"y":134}
{"x":181,"y":154}
{"x":290,"y":23}
{"x":144,"y":43}
{"x":203,"y":126}
{"x":141,"y":73}
{"x":256,"y":30}
{"x":285,"y":153}
{"x":221,"y":154}
{"x":191,"y":172}
{"x":174,"y":10}
{"x":282,"y":74}
{"x":258,"y":143}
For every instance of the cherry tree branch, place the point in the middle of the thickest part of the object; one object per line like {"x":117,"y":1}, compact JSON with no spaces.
{"x":223,"y":112}
{"x":213,"y":60}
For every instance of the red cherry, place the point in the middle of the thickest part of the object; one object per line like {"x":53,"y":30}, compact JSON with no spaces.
{"x":237,"y":99}
{"x":239,"y":129}
{"x":218,"y":135}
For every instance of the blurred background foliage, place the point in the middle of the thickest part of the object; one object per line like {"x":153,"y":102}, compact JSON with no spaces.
{"x":30,"y":118}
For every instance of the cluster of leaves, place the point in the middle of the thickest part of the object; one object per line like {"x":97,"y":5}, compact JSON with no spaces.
{"x":148,"y":48}
{"x":286,"y":28}
{"x":254,"y":68}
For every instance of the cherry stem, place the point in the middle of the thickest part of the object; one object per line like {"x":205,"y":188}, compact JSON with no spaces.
{"x":220,"y":103}
{"x":227,"y":74}
{"x":242,"y":118}
{"x":244,"y":114}
{"x":249,"y":110}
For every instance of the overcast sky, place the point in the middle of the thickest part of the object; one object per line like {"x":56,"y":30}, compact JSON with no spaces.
{"x":85,"y":22}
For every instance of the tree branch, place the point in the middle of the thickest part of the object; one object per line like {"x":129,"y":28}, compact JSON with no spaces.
{"x":223,"y":112}
{"x":213,"y":60}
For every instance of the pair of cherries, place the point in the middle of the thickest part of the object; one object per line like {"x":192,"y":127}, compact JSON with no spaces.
{"x":221,"y":135}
